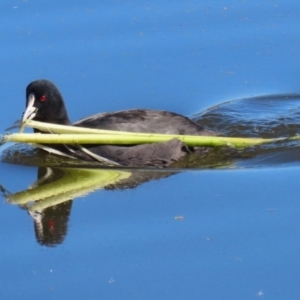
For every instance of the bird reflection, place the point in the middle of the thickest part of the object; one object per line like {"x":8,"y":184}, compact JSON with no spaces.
{"x":50,"y":223}
{"x":49,"y":199}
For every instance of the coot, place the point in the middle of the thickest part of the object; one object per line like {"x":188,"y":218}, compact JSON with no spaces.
{"x":45,"y":103}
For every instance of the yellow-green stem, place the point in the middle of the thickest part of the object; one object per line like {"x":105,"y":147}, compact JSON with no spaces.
{"x":134,"y":139}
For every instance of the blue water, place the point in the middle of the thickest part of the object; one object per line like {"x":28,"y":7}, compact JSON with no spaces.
{"x":195,"y":235}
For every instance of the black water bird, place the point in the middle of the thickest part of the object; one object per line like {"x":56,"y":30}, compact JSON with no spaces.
{"x":45,"y":103}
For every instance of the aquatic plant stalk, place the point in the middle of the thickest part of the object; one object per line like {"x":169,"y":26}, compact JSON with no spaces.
{"x":63,"y":134}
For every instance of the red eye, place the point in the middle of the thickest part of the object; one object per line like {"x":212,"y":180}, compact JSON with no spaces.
{"x":51,"y":225}
{"x":43,"y":98}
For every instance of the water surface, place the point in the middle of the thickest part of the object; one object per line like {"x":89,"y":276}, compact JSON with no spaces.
{"x":210,"y":234}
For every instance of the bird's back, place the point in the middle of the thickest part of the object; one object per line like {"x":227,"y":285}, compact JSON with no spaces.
{"x":138,"y":120}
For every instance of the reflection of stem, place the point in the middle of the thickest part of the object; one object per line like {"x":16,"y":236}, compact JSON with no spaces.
{"x":74,"y":183}
{"x":58,"y":199}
